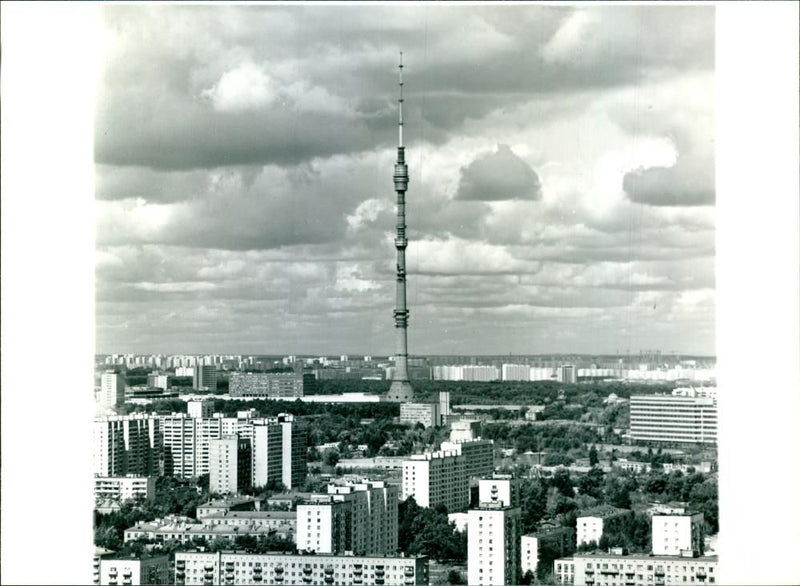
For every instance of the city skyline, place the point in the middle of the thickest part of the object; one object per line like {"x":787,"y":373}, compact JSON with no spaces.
{"x":561,"y":167}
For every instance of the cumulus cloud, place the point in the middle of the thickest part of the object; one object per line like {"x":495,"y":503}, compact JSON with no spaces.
{"x":245,"y":87}
{"x":244,"y":193}
{"x":498,"y":176}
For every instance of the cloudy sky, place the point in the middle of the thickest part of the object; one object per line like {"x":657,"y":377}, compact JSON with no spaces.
{"x":562,"y":179}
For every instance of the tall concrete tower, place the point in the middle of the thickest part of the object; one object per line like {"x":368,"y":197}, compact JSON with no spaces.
{"x":401,"y":387}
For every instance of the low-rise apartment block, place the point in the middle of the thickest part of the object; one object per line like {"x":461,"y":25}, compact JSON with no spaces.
{"x":615,"y":569}
{"x":545,"y":546}
{"x":592,"y":523}
{"x":135,"y":571}
{"x":428,"y":414}
{"x":196,"y":568}
{"x":678,"y":534}
{"x":123,"y":488}
{"x":184,"y":529}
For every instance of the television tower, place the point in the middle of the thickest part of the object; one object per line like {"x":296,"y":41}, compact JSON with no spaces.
{"x":401,"y":390}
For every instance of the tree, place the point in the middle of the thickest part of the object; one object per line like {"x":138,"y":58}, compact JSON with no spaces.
{"x":562,"y":481}
{"x":330,"y":457}
{"x":593,"y":459}
{"x":527,"y":578}
{"x":455,"y":577}
{"x":591,"y":483}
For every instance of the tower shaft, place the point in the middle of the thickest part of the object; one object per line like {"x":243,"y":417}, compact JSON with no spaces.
{"x":400,"y":389}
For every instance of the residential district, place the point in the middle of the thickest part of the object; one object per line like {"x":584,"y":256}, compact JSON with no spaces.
{"x":500,"y":470}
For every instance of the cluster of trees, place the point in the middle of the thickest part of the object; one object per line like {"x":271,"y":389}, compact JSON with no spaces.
{"x":553,"y":437}
{"x":173,"y":497}
{"x":426,"y":531}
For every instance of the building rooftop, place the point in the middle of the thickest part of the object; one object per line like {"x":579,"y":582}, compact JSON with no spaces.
{"x":603,"y":511}
{"x":251,"y":515}
{"x":641,"y":556}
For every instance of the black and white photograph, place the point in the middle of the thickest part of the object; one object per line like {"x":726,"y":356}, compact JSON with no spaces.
{"x":402,"y":294}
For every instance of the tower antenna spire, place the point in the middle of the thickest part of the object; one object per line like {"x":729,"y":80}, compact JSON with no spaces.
{"x":400,"y":104}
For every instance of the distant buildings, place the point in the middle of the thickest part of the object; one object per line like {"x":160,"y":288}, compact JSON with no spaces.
{"x":205,"y":378}
{"x":158,"y":380}
{"x":466,"y":372}
{"x":680,"y":418}
{"x":112,"y":392}
{"x":428,"y":414}
{"x":266,"y":384}
{"x":196,"y":568}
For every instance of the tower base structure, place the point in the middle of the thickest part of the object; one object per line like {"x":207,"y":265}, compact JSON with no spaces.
{"x":400,"y":392}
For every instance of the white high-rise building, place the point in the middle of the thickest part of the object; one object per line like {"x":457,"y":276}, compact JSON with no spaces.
{"x":229,"y":464}
{"x":679,"y":534}
{"x":436,"y":478}
{"x":323,"y":525}
{"x":112,"y":392}
{"x":674,"y":419}
{"x":493,"y":545}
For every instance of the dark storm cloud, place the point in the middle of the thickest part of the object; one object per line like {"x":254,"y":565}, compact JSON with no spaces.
{"x":688,"y":183}
{"x":498,"y":176}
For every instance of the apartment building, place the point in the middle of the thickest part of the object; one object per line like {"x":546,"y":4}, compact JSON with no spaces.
{"x":493,"y":544}
{"x":428,"y":414}
{"x":230,"y":464}
{"x":616,"y":569}
{"x":674,"y":419}
{"x":112,"y":392}
{"x":545,"y":546}
{"x":436,"y":478}
{"x":122,"y":488}
{"x":278,"y":444}
{"x":203,"y":408}
{"x":218,"y":526}
{"x":135,"y":571}
{"x":590,"y":526}
{"x":266,"y":384}
{"x":196,"y":568}
{"x":127,"y":444}
{"x":678,"y":534}
{"x":478,"y":456}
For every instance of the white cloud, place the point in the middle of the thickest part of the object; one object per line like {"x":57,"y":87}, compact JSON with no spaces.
{"x":246,"y":87}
